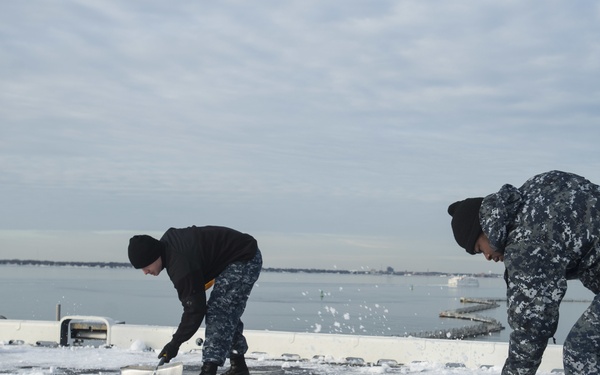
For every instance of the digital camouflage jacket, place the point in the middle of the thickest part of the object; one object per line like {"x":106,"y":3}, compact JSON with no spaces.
{"x":549,"y":231}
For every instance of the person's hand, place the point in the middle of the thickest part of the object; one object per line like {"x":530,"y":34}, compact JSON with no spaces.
{"x":169,"y":352}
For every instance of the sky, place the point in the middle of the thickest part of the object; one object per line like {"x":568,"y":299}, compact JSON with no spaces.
{"x":335,"y":132}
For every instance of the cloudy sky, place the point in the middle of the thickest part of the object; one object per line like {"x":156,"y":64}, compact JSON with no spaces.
{"x":335,"y":132}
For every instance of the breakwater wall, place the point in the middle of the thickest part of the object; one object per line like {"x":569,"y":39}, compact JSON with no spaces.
{"x":484,"y":326}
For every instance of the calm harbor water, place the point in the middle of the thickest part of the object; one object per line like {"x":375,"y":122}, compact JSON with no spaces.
{"x":298,"y":302}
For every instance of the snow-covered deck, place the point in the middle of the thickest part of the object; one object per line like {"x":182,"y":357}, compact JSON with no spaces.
{"x":305,"y":350}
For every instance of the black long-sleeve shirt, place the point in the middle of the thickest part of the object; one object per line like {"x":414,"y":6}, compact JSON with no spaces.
{"x":194,"y":256}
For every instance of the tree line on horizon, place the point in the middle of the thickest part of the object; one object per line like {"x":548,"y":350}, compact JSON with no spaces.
{"x":387,"y":271}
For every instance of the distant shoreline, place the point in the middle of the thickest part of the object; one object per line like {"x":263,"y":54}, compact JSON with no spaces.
{"x":389,"y":271}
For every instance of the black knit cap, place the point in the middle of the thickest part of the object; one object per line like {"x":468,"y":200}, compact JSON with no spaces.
{"x":465,"y":222}
{"x":144,"y":250}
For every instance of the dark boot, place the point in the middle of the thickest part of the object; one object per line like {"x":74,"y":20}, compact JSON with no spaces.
{"x":238,"y":366}
{"x":209,"y":368}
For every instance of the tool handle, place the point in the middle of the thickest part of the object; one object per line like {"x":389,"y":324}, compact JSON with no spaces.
{"x":160,"y":363}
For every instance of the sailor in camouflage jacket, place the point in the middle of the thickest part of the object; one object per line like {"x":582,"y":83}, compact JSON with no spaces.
{"x":546,"y":232}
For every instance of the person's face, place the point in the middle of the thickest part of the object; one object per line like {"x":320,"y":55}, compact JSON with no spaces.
{"x":482,"y":246}
{"x":154,"y":268}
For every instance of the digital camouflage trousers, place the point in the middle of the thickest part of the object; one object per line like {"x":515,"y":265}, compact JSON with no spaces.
{"x":581,"y":350}
{"x":224,"y":328}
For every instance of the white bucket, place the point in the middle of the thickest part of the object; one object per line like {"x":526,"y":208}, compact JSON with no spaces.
{"x":175,"y":368}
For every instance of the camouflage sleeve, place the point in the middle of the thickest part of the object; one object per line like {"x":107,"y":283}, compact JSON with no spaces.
{"x":536,"y":286}
{"x":497,"y":215}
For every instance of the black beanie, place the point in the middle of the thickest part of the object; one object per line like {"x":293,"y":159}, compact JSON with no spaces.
{"x":465,"y":222}
{"x":144,"y":250}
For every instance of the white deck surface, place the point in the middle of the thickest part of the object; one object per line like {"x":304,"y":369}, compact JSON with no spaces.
{"x":29,"y":360}
{"x":23,"y":350}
